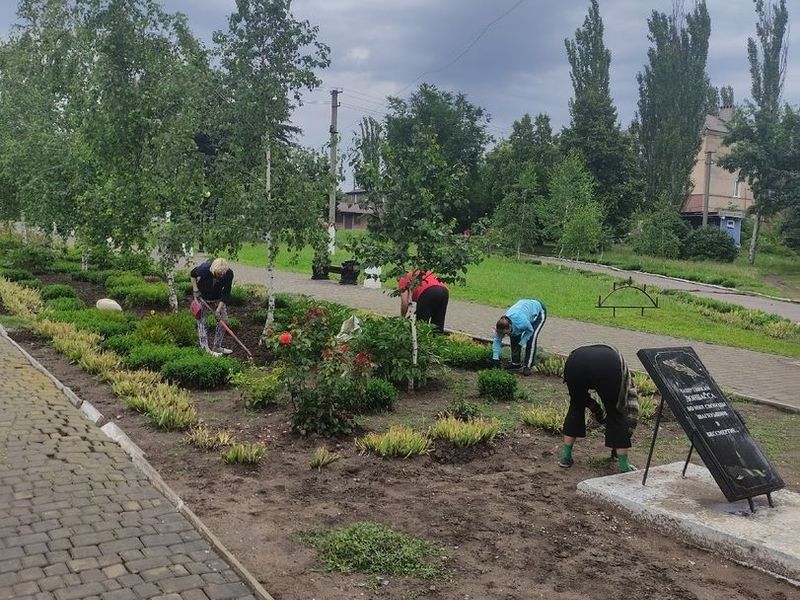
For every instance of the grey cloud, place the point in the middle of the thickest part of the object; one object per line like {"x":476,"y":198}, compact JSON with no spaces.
{"x":518,"y":66}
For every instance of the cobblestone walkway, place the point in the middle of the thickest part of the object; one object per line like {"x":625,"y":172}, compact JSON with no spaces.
{"x":768,"y":377}
{"x":77,"y":519}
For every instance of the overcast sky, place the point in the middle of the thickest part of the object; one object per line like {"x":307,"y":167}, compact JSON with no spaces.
{"x":381,"y":47}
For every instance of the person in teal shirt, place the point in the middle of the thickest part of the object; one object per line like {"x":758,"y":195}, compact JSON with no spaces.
{"x":522,"y":323}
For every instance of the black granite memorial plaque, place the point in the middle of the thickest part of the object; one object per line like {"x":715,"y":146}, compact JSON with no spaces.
{"x":722,"y":439}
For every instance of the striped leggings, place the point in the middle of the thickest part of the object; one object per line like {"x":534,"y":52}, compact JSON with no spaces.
{"x":530,"y":349}
{"x":202,"y":329}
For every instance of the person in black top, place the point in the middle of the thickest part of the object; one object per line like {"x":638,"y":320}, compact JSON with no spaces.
{"x":212,"y":281}
{"x":601,"y":368}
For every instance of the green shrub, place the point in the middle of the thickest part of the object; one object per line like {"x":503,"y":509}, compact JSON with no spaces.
{"x":118,"y":281}
{"x":465,"y":355}
{"x":106,"y":323}
{"x":96,"y":277}
{"x":145,"y":294}
{"x":154,"y":356}
{"x":32,"y":258}
{"x":388,"y":340}
{"x":709,"y":243}
{"x":200,"y":370}
{"x":65,"y":304}
{"x":121,"y":344}
{"x":33,"y":284}
{"x":50,"y":292}
{"x":375,"y":549}
{"x":170,"y":328}
{"x":323,"y":412}
{"x":65,"y":266}
{"x":16,"y":274}
{"x":239,"y":296}
{"x":462,"y":409}
{"x":497,"y":384}
{"x":377,"y":395}
{"x":259,"y":387}
{"x":661,"y":234}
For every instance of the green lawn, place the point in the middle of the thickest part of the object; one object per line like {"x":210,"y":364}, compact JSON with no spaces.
{"x":773,"y":275}
{"x":571,"y":294}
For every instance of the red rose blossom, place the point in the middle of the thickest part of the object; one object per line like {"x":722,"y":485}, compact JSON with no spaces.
{"x":285,"y":338}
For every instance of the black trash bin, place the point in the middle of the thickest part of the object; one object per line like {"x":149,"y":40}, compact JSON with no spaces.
{"x":350,"y":273}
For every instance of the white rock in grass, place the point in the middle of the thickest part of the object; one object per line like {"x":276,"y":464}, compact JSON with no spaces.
{"x":108,"y":304}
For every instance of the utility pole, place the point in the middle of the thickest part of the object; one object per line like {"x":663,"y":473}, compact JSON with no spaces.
{"x":707,"y":190}
{"x":333,"y":159}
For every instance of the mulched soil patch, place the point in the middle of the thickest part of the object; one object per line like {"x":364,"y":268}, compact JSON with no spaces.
{"x":508,"y":519}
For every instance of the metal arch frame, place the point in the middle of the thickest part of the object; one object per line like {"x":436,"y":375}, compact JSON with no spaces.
{"x":627,"y":285}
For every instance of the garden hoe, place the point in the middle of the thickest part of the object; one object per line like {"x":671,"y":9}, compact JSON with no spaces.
{"x":196,"y":312}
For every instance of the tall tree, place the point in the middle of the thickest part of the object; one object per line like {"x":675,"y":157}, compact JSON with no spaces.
{"x":594,"y":132}
{"x":459,"y":130}
{"x":571,"y":188}
{"x":410,"y":190}
{"x":267,"y":59}
{"x":673,"y":93}
{"x":530,"y":145}
{"x":763,"y":137}
{"x":726,"y":96}
{"x":38,"y":160}
{"x":514,"y":219}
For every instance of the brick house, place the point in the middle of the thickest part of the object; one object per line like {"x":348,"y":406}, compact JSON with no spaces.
{"x":729,"y":198}
{"x":349,"y":215}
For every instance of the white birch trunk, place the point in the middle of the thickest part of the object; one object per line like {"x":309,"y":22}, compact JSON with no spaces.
{"x":412,"y":315}
{"x":23,"y":230}
{"x":271,"y":252}
{"x":173,"y":296}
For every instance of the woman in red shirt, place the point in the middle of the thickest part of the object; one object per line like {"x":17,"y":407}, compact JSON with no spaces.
{"x":431,"y":296}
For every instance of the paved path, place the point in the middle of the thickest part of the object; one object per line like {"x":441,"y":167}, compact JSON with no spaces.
{"x":788,"y":310}
{"x":77,"y":519}
{"x":768,"y":377}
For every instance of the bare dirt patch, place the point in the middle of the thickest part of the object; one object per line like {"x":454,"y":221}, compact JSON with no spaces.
{"x":506,"y":517}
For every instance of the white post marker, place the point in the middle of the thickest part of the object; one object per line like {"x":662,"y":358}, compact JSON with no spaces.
{"x":372,"y":278}
{"x":331,"y":239}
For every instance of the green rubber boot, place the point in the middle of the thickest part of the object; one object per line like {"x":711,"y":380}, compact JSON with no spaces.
{"x":566,"y":457}
{"x":624,"y":465}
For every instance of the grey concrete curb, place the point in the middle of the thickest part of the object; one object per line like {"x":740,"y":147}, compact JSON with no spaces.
{"x":551,"y":260}
{"x":754,"y":399}
{"x":137,"y":457}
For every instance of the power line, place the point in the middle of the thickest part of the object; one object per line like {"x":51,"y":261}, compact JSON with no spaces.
{"x":468,"y":48}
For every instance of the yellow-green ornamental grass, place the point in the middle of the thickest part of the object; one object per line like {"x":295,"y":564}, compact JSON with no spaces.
{"x":465,"y":433}
{"x":323,"y":457}
{"x":202,"y":437}
{"x":399,"y":442}
{"x":20,"y":301}
{"x":249,"y":454}
{"x":549,"y":417}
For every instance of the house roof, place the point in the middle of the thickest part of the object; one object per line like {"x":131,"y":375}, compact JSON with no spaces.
{"x":350,"y":207}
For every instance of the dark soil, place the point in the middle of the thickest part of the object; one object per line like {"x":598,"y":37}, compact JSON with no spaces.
{"x":506,"y":517}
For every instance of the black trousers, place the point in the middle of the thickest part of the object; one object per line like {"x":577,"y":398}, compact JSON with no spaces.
{"x":595,"y":368}
{"x":432,"y":306}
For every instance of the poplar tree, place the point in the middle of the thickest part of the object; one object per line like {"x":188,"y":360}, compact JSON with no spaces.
{"x":673,"y":99}
{"x":764,"y":136}
{"x":607,"y":152}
